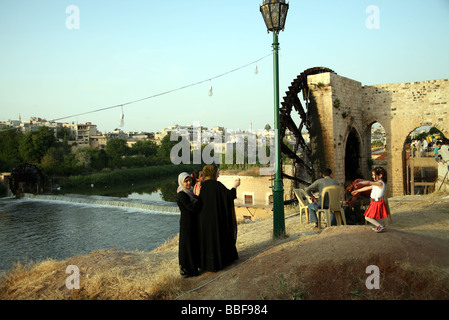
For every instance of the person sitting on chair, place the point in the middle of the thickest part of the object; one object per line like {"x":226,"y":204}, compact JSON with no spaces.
{"x":318,"y":186}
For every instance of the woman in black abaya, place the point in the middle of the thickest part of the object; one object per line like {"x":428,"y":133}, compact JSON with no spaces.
{"x":188,"y":204}
{"x":217,"y":222}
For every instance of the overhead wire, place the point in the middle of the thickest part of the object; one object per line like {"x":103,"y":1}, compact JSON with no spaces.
{"x":161,"y":93}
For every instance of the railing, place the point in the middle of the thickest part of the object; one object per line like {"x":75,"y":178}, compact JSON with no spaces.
{"x":421,"y":162}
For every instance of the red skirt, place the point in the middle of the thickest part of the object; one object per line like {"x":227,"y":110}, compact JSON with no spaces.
{"x":376,"y":210}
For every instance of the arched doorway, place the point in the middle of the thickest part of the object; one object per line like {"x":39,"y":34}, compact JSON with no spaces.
{"x":378,"y":145}
{"x":420,"y":168}
{"x":352,"y":157}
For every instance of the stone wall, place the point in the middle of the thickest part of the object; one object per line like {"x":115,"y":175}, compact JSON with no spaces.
{"x":401,"y":108}
{"x":344,"y":106}
{"x":339,"y":102}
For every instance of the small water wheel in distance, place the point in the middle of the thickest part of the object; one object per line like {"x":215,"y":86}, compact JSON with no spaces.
{"x":25,"y":178}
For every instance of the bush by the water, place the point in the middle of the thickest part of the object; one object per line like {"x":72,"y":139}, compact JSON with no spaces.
{"x":125,"y":175}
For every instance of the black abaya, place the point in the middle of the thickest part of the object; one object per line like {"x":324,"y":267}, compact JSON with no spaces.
{"x":188,"y":252}
{"x":217,"y":226}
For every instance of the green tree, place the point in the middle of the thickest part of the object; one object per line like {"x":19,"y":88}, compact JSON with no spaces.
{"x":117,"y":148}
{"x":63,"y":133}
{"x":81,"y":157}
{"x":144,"y":148}
{"x":435,"y":131}
{"x":34,"y":144}
{"x":9,"y":149}
{"x":98,"y":159}
{"x":52,"y":160}
{"x":163,"y":154}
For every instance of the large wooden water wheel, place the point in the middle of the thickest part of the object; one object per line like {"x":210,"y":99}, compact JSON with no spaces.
{"x":301,"y":152}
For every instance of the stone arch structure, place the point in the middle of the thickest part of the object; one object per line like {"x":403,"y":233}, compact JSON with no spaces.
{"x":346,"y":111}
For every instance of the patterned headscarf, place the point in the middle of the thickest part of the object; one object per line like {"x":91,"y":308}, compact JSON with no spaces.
{"x":210,"y":172}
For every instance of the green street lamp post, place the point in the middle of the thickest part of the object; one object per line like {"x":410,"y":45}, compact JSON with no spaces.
{"x":274,"y":13}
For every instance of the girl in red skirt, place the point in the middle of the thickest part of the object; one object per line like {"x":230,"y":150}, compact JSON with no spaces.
{"x":376,"y":209}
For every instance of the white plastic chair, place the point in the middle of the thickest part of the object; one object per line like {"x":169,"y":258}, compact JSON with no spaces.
{"x":335,"y":195}
{"x":303,"y":200}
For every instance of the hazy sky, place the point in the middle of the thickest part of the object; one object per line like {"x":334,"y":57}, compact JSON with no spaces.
{"x":62,"y":58}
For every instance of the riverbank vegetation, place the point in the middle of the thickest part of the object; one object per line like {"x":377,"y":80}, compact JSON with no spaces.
{"x":109,"y":178}
{"x":55,"y":157}
{"x":70,"y":165}
{"x":74,"y":166}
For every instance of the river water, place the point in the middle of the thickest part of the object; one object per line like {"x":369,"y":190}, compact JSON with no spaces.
{"x":37,"y":229}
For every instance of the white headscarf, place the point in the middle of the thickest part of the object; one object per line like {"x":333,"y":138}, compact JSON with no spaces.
{"x":182,"y":176}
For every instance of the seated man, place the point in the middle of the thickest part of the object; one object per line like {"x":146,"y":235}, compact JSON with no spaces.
{"x":318,"y":186}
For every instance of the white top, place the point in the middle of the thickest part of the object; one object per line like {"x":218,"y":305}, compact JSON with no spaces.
{"x":376,"y":192}
{"x":444,"y":151}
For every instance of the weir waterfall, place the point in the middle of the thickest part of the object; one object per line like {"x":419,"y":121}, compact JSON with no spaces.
{"x":38,"y":227}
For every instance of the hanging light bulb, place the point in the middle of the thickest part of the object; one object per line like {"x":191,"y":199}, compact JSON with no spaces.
{"x":256,"y":71}
{"x":122,"y":117}
{"x":210,"y":89}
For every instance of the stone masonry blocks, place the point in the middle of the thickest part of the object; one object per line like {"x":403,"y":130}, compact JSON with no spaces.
{"x":344,"y":105}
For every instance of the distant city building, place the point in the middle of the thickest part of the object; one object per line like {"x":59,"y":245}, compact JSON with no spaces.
{"x":87,"y":135}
